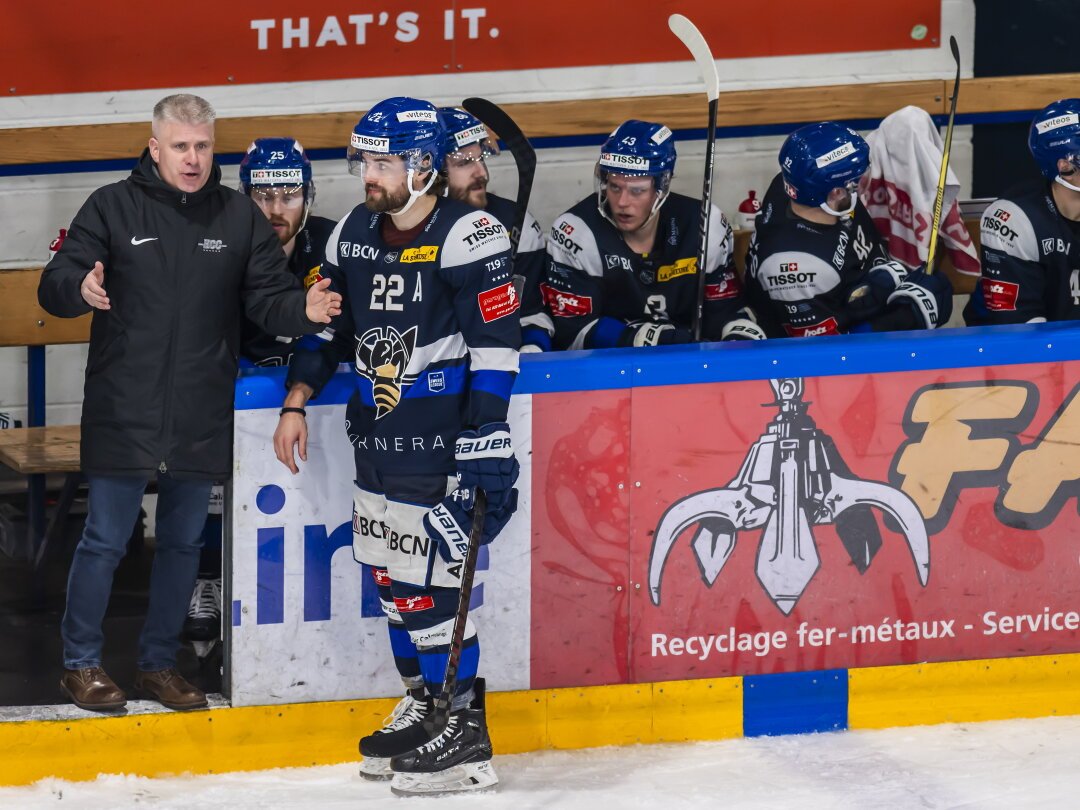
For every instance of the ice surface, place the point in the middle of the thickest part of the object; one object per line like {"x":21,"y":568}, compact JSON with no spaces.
{"x":1012,"y":764}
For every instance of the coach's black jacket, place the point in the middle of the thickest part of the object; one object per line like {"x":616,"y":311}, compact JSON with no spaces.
{"x":162,"y":363}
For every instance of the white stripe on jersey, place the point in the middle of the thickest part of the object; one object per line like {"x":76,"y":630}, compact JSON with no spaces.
{"x":450,"y":347}
{"x":572,"y":243}
{"x":332,"y":243}
{"x":532,"y":235}
{"x":794,"y":275}
{"x":1007,"y":228}
{"x":493,"y":359}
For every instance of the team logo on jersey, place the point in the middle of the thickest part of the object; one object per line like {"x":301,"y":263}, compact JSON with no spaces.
{"x":313,"y":277}
{"x":427,"y":253}
{"x":683,"y":267}
{"x":382,"y":355}
{"x":564,"y":304}
{"x":498,"y":302}
{"x":212,"y":245}
{"x":391,"y":257}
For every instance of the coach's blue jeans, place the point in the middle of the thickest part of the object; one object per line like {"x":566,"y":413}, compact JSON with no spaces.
{"x":112,"y":510}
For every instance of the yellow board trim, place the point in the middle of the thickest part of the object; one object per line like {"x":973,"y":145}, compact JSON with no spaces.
{"x":306,"y":734}
{"x":963,"y":691}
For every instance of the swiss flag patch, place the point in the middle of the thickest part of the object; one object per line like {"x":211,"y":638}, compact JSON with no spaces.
{"x":499,"y":302}
{"x":413,"y":604}
{"x":564,"y":304}
{"x":382,"y":576}
{"x":1000,"y":296}
{"x":829,"y":326}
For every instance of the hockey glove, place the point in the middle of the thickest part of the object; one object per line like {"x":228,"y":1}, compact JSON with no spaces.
{"x":449,"y":522}
{"x":928,"y":297}
{"x":869,"y":298}
{"x":652,"y":333}
{"x":485,"y":459}
{"x":743,"y":327}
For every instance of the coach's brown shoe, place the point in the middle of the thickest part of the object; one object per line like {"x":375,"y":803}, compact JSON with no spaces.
{"x":91,"y":689}
{"x":169,"y":688}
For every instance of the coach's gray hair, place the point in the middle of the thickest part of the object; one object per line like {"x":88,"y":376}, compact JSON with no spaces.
{"x":184,"y":108}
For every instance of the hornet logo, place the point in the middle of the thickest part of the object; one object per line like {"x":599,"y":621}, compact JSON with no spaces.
{"x":382,"y":355}
{"x":793,"y":478}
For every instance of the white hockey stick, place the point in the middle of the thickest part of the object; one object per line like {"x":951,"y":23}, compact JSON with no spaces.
{"x":691,"y":37}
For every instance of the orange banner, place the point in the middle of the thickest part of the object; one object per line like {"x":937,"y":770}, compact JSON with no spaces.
{"x":125,"y":45}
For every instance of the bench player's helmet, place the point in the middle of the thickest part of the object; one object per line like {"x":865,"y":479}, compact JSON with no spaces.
{"x":817,"y":158}
{"x":1054,"y":136}
{"x":278,"y":163}
{"x":637,"y":149}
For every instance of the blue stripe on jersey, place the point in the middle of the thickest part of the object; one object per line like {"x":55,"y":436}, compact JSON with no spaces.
{"x":536,"y":336}
{"x":607,"y":332}
{"x":499,"y":383}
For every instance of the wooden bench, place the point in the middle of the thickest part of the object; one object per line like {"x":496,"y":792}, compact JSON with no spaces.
{"x":38,"y":449}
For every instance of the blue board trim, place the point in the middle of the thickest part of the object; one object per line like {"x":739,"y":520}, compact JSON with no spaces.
{"x":604,"y":369}
{"x":795,"y":702}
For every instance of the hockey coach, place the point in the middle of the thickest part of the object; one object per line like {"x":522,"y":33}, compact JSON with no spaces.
{"x":168,"y":260}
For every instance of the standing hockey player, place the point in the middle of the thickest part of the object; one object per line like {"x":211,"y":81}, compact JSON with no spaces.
{"x":431,"y":320}
{"x":276,"y":174}
{"x":1031,"y":242}
{"x":816,"y":264}
{"x":468,"y":145}
{"x":624,"y":266}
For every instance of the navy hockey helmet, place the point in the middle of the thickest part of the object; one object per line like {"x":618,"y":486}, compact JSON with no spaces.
{"x":637,"y":149}
{"x":462,"y":129}
{"x":1055,"y":135}
{"x":276,"y":162}
{"x":401,"y":126}
{"x":817,"y":158}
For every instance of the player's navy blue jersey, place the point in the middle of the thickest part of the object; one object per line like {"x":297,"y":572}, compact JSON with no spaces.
{"x":433,"y":331}
{"x":799,"y":273}
{"x":598,"y":289}
{"x":1030,"y":263}
{"x":530,"y":262}
{"x":256,"y":346}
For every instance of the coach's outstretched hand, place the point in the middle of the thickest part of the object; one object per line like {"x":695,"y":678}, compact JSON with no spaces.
{"x":322,"y":304}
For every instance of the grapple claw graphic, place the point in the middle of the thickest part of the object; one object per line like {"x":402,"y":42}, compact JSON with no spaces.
{"x":792,"y":479}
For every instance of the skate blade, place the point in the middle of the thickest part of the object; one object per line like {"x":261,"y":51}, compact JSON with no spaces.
{"x":472,"y":777}
{"x":377,"y":769}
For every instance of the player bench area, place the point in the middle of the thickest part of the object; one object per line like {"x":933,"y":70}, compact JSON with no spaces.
{"x":38,"y":450}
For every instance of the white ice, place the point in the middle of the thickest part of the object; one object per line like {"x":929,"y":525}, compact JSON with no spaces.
{"x":1013,"y":764}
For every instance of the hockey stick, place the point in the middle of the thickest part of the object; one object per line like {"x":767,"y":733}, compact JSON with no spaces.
{"x":493,"y":116}
{"x":525,"y":158}
{"x":939,"y":198}
{"x":436,"y":722}
{"x":691,"y":37}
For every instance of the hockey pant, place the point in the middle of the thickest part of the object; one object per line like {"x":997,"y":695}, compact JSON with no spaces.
{"x":418,"y":594}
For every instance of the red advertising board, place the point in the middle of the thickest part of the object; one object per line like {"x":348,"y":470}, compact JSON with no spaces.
{"x":51,"y":48}
{"x":806,"y":523}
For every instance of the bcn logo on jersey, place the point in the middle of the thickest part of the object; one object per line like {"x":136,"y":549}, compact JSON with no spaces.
{"x":426,"y":253}
{"x":1055,"y":245}
{"x":498,"y":302}
{"x":1000,"y":296}
{"x":614,"y":262}
{"x":357,"y":250}
{"x":683,"y":267}
{"x":564,"y":304}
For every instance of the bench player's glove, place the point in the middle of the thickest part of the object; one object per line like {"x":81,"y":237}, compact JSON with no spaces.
{"x":869,"y":298}
{"x":449,"y":522}
{"x":928,"y":297}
